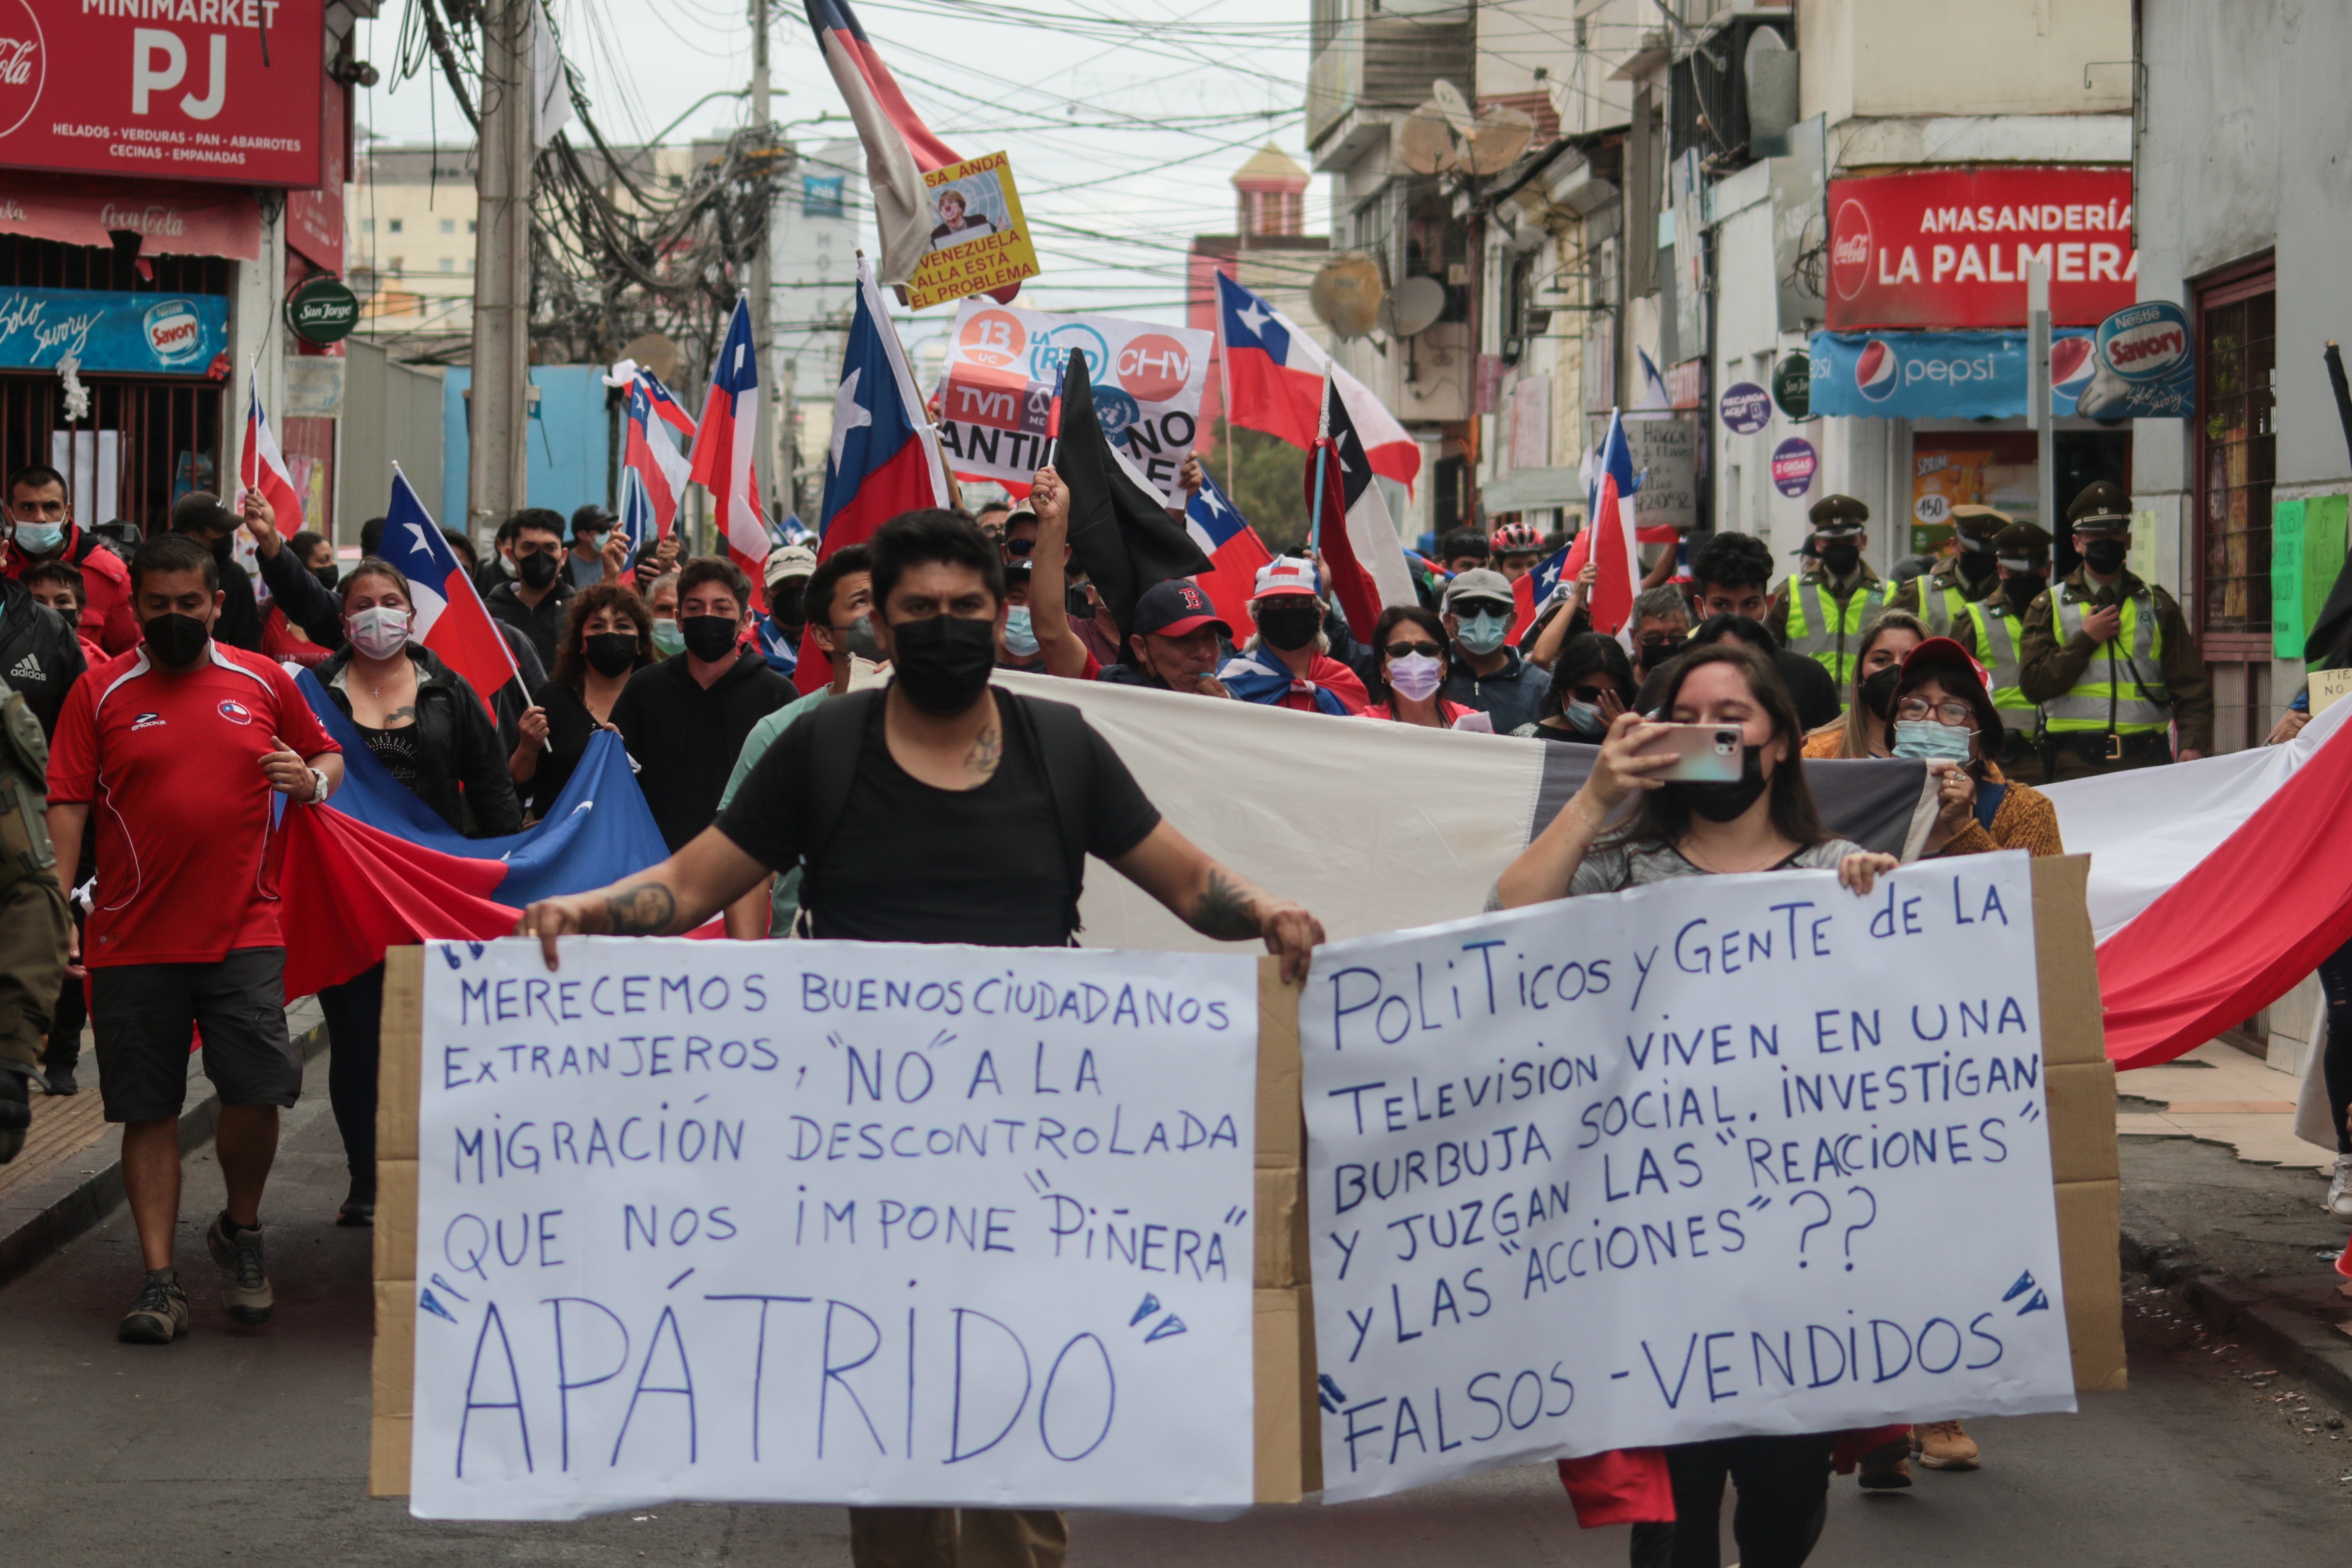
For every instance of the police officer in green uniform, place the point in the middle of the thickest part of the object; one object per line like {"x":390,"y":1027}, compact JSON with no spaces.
{"x":1940,"y":598}
{"x":2110,"y":659}
{"x":32,"y":915}
{"x":1993,"y":630}
{"x":1821,"y":616}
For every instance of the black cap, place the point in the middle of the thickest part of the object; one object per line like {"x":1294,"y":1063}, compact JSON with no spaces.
{"x":2102,"y":506}
{"x":591,"y":515}
{"x":201,"y":512}
{"x":1174,"y":608}
{"x":1839,"y":514}
{"x":2023,"y":541}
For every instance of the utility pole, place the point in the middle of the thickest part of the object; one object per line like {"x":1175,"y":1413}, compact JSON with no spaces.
{"x":2038,"y":402}
{"x":764,"y":260}
{"x":499,"y":460}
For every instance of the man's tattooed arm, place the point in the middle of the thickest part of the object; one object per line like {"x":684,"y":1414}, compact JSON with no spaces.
{"x":1224,"y":911}
{"x":641,"y":909}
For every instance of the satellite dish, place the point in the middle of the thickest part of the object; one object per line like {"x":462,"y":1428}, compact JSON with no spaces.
{"x":1417,"y":303}
{"x":1346,"y":294}
{"x":1424,"y":142}
{"x":1502,"y":134}
{"x":1456,"y":108}
{"x":656,"y":352}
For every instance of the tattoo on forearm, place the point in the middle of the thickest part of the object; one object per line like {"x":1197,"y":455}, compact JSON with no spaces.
{"x":645,"y":909}
{"x":1224,"y":911}
{"x":987,"y":751}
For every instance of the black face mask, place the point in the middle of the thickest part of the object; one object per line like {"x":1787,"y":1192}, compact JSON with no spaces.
{"x":1878,"y":691}
{"x":1080,"y":606}
{"x":707,"y":637}
{"x":1720,"y":802}
{"x":787,"y":603}
{"x":1977,"y":569}
{"x":2024,"y":590}
{"x":610,"y":654}
{"x":328,"y":575}
{"x":1289,"y":627}
{"x":176,"y":641}
{"x":2105,"y":557}
{"x":943,"y":662}
{"x":1840,"y":557}
{"x":1656,"y":650}
{"x":536,"y":569}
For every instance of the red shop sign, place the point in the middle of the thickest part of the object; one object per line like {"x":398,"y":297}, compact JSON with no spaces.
{"x":163,"y":89}
{"x":172,"y":220}
{"x":1950,"y":247}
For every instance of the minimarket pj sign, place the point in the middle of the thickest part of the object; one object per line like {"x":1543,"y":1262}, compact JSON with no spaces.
{"x":1943,"y":248}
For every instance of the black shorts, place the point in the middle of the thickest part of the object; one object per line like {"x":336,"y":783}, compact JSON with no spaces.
{"x":142,"y":1016}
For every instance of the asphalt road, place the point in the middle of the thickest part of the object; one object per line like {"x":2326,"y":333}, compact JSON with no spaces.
{"x":250,"y":1445}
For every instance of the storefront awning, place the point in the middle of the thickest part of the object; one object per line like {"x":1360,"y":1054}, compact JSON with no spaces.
{"x":176,"y":220}
{"x":1943,"y":375}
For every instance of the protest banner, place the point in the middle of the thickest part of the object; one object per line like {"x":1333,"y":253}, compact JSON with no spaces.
{"x":1727,"y":1155}
{"x":842,"y":1222}
{"x":981,"y":241}
{"x":1004,"y":367}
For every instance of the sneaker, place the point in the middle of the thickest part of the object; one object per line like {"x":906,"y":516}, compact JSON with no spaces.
{"x":60,"y":1080}
{"x":1942,"y":1446}
{"x":1887,"y":1467}
{"x":245,"y":1282}
{"x":159,"y":1312}
{"x":2339,"y":1191}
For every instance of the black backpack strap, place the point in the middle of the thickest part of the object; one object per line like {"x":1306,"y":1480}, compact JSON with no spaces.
{"x":1065,"y":749}
{"x":836,"y":737}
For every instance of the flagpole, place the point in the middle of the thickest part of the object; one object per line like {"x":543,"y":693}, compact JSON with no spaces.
{"x":1322,"y":457}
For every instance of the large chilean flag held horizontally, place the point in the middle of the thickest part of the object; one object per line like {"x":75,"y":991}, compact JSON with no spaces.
{"x":1273,"y":382}
{"x":885,"y":458}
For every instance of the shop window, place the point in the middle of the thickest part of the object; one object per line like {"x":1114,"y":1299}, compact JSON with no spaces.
{"x":448,"y":225}
{"x":470,"y":225}
{"x":2235,"y":457}
{"x":395,"y":224}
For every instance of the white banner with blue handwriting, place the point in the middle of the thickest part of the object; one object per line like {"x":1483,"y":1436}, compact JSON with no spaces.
{"x":842,"y":1222}
{"x":1722,"y":1156}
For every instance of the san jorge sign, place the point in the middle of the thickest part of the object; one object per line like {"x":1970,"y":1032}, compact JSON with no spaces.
{"x":170,"y":89}
{"x":1946,"y":248}
{"x":323,"y":310}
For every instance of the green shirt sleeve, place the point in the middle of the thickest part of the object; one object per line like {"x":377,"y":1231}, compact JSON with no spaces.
{"x":763,"y":734}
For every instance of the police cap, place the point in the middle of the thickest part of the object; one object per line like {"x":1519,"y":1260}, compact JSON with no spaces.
{"x":1839,"y":514}
{"x":2022,"y":545}
{"x":1978,"y":526}
{"x":2102,"y":508}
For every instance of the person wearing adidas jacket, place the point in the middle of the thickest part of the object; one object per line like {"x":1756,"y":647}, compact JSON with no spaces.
{"x":39,"y":655}
{"x":41,"y":528}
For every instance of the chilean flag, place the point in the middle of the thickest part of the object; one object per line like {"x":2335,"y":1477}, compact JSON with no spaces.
{"x":1536,"y":586}
{"x":1273,"y":382}
{"x":262,"y":467}
{"x":1612,"y":532}
{"x":450,"y":618}
{"x":885,"y":457}
{"x":651,"y":451}
{"x":726,"y":445}
{"x":1234,"y":552}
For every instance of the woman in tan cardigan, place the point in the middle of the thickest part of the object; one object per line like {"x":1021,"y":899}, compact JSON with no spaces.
{"x":1943,"y":687}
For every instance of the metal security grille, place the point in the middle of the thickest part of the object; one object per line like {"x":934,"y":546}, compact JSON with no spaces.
{"x":2236,"y":452}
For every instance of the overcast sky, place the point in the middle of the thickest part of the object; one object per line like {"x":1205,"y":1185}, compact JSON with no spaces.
{"x":1124,"y":123}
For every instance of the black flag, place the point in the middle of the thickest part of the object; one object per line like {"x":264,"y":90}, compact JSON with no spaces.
{"x":1121,"y":533}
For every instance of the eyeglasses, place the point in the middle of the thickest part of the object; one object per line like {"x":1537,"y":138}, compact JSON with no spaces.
{"x":1952,"y":711}
{"x":1595,"y":695}
{"x":1017,"y":545}
{"x":1401,"y":650}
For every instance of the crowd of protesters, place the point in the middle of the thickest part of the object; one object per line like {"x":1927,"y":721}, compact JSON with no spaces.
{"x":824,"y":755}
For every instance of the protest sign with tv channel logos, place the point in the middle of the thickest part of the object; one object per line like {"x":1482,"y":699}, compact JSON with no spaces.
{"x":1003,"y":364}
{"x":1719,"y":1157}
{"x":980,"y":242}
{"x":866,"y":1223}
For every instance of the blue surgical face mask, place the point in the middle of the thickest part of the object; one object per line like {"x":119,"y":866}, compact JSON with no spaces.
{"x":39,"y":539}
{"x":667,"y":639}
{"x":1925,"y":740}
{"x":1020,"y":637}
{"x":1483,"y":633}
{"x":1584,"y":718}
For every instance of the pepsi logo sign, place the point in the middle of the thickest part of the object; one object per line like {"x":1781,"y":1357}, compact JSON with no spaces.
{"x":1850,"y":249}
{"x":175,"y":332}
{"x":236,"y":712}
{"x":1877,"y":373}
{"x":2145,"y":343}
{"x":2072,"y":362}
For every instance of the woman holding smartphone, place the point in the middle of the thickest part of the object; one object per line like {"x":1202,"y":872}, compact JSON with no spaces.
{"x":1763,"y":820}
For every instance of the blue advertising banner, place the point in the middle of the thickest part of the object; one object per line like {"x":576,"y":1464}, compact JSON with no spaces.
{"x":166,"y":334}
{"x":1943,"y":375}
{"x":2147,"y":366}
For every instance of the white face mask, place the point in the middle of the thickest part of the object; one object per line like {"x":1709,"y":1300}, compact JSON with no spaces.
{"x":1415,"y":676}
{"x":378,"y":631}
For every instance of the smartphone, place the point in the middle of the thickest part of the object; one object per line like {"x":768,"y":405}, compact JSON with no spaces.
{"x":1704,"y":753}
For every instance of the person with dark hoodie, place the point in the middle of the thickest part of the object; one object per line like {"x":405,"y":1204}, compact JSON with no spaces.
{"x":537,"y":600}
{"x":307,"y":604}
{"x":427,"y":727}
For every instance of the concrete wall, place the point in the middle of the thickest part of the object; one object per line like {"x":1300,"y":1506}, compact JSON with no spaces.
{"x":1903,"y":58}
{"x":392,"y":414}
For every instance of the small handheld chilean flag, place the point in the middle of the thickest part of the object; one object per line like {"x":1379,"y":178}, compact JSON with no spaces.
{"x":450,"y":618}
{"x":725,"y":449}
{"x":1609,"y":538}
{"x":1534,"y":587}
{"x":1234,"y":552}
{"x":650,"y":451}
{"x":261,"y":467}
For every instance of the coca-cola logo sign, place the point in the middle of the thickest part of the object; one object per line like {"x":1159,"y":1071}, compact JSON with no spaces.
{"x":155,"y":220}
{"x":1850,"y":250}
{"x":23,"y":63}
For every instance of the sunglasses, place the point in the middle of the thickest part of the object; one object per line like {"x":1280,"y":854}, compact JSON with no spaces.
{"x":1019,"y":546}
{"x":1401,"y":650}
{"x":1595,"y":695}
